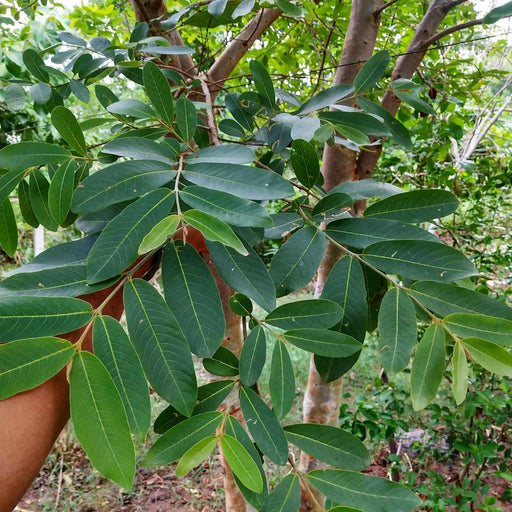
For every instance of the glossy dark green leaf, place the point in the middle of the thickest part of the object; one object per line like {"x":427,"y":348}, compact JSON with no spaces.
{"x":8,"y":228}
{"x":365,"y":492}
{"x":29,"y":154}
{"x":412,"y":99}
{"x":227,"y":207}
{"x":296,"y":262}
{"x":281,"y":380}
{"x":179,"y":439}
{"x":9,"y":181}
{"x":215,"y":230}
{"x":466,"y":325}
{"x":232,"y":128}
{"x":80,"y":91}
{"x":245,"y":274}
{"x":420,"y":260}
{"x":23,"y":317}
{"x":66,"y":124}
{"x":116,"y":352}
{"x":323,"y":342}
{"x":372,"y":71}
{"x":264,"y":426}
{"x":120,"y":182}
{"x":488,"y":355}
{"x":415,"y":206}
{"x":38,"y":190}
{"x":35,"y":64}
{"x":365,"y":189}
{"x":253,"y":356}
{"x":397,"y":330}
{"x":161,"y":345}
{"x":329,"y":444}
{"x":284,"y":224}
{"x":498,"y":13}
{"x":225,"y":153}
{"x":159,"y":92}
{"x":285,"y":497}
{"x":445,"y":299}
{"x":351,"y":124}
{"x":186,"y":118}
{"x":239,"y":180}
{"x":428,"y":367}
{"x":460,"y":372}
{"x":303,"y":314}
{"x":25,"y":364}
{"x":360,"y":232}
{"x":223,"y":363}
{"x":60,"y":192}
{"x":195,"y":456}
{"x":209,"y":397}
{"x":117,"y":246}
{"x":263,"y":83}
{"x":326,"y":98}
{"x":94,"y":222}
{"x":304,"y":160}
{"x":140,"y":148}
{"x":133,"y":108}
{"x":99,"y":420}
{"x":332,"y":207}
{"x":240,"y":304}
{"x":25,"y":206}
{"x":193,"y":297}
{"x":105,"y":95}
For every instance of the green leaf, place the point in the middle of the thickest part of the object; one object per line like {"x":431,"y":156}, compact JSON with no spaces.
{"x":326,"y":98}
{"x":159,"y":234}
{"x":239,"y":180}
{"x":159,"y":92}
{"x":105,"y":96}
{"x":195,"y":456}
{"x":115,"y":350}
{"x":67,"y":125}
{"x":14,"y":97}
{"x":245,"y":274}
{"x":193,"y":297}
{"x":225,"y":153}
{"x":9,"y":180}
{"x":214,"y":230}
{"x":427,"y":367}
{"x":140,"y":148}
{"x":209,"y":397}
{"x":23,"y":317}
{"x":420,"y":260}
{"x":415,"y":206}
{"x":354,"y":123}
{"x":252,"y":357}
{"x":25,"y":206}
{"x":332,"y":207}
{"x":397,"y":330}
{"x":25,"y":364}
{"x":296,"y":262}
{"x":284,"y":224}
{"x":120,"y":182}
{"x":180,"y":438}
{"x":60,"y":192}
{"x":465,"y":325}
{"x":263,"y":84}
{"x":365,"y":492}
{"x":304,"y":160}
{"x":186,"y":118}
{"x":117,"y":246}
{"x":38,"y":190}
{"x":217,"y":7}
{"x":281,"y":381}
{"x":264,"y":427}
{"x":303,"y":314}
{"x":80,"y":91}
{"x":133,"y":108}
{"x":361,"y":232}
{"x":365,"y":189}
{"x":35,"y":64}
{"x":243,"y":8}
{"x":241,"y":463}
{"x":240,"y":304}
{"x":498,"y":13}
{"x":372,"y":71}
{"x":285,"y":497}
{"x":232,"y":128}
{"x":459,"y":373}
{"x":223,"y":363}
{"x":99,"y":420}
{"x":488,"y":355}
{"x":329,"y":444}
{"x":41,"y":92}
{"x":226,"y":207}
{"x":8,"y":228}
{"x":160,"y":345}
{"x":445,"y":299}
{"x":323,"y":342}
{"x":414,"y":101}
{"x":30,"y":154}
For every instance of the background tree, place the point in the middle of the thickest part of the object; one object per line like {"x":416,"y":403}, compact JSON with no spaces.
{"x":187,"y":178}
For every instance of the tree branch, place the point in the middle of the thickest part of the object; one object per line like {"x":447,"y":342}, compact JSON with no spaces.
{"x":385,"y":6}
{"x":451,"y":30}
{"x":238,"y":47}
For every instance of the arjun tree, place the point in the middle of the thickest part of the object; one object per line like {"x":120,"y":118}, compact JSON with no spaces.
{"x":211,"y":149}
